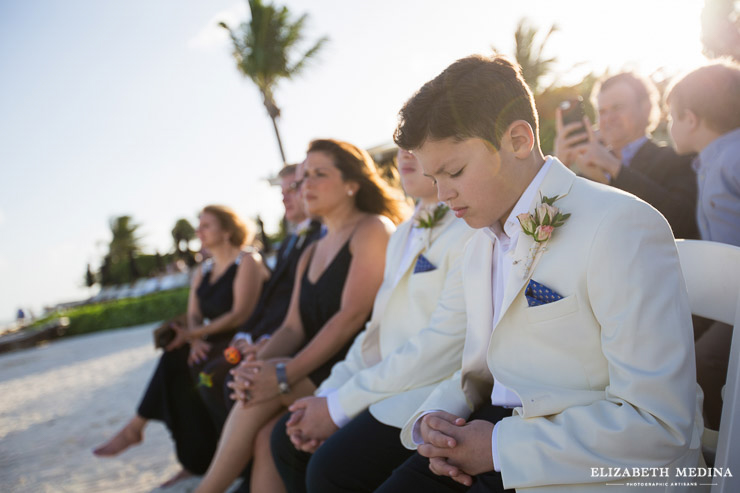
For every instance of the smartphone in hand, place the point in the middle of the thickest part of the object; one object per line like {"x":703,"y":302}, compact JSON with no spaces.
{"x":573,"y":110}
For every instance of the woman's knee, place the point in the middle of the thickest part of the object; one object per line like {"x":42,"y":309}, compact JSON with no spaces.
{"x":262,"y":441}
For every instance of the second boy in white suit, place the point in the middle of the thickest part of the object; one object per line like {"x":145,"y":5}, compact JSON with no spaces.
{"x":412,"y":342}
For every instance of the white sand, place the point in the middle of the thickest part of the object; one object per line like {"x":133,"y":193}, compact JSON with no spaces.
{"x":59,"y":401}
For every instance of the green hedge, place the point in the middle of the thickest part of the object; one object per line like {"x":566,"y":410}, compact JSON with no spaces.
{"x":124,"y":313}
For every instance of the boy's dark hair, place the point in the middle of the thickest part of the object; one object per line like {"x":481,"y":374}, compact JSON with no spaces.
{"x":476,"y":96}
{"x":712,"y":93}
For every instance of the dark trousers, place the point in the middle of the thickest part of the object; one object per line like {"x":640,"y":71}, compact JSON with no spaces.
{"x":712,"y":361}
{"x":414,"y":475}
{"x":172,"y":397}
{"x":358,"y":458}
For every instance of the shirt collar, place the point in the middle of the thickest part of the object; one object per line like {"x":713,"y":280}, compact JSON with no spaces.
{"x":629,"y":151}
{"x":707,"y":156}
{"x":512,"y":226}
{"x":302,"y":226}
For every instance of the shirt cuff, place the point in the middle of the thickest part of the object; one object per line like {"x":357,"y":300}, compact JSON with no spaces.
{"x":336,"y":412}
{"x":416,"y":429}
{"x":494,"y":448}
{"x":324,"y":392}
{"x":243,"y":335}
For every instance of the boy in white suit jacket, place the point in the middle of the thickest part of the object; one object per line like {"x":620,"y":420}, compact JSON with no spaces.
{"x":413,"y":341}
{"x":578,"y":361}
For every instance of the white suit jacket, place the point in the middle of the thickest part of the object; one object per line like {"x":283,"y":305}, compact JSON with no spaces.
{"x":416,"y":334}
{"x":606,"y":375}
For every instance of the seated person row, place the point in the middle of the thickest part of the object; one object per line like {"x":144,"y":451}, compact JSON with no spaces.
{"x":571,"y":363}
{"x":336,"y":281}
{"x":413,"y":341}
{"x":625,"y":156}
{"x":273,"y":302}
{"x":223,"y":294}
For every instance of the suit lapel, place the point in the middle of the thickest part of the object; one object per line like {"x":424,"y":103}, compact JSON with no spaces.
{"x":557,"y":181}
{"x":371,"y":344}
{"x":421,"y":241}
{"x":394,"y":256}
{"x":296,"y":250}
{"x":477,"y":287}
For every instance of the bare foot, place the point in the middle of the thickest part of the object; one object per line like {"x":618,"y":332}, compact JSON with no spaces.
{"x":183,"y":474}
{"x":131,"y":434}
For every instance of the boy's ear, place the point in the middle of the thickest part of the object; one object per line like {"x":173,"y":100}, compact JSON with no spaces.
{"x":521,"y":138}
{"x":692,"y":121}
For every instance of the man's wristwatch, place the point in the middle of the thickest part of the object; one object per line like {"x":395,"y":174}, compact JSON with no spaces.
{"x":282,"y":378}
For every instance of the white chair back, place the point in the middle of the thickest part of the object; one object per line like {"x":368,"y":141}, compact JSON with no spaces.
{"x":712,"y":274}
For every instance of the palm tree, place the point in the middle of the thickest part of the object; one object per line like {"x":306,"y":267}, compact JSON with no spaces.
{"x":124,"y":240}
{"x":263,"y":49}
{"x":529,"y":55}
{"x":183,"y":231}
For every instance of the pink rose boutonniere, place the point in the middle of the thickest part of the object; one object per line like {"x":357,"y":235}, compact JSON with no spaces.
{"x":540,"y":225}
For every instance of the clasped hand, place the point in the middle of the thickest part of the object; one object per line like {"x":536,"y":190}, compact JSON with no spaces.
{"x":456,"y":448}
{"x":255,"y":381}
{"x":310,"y":423}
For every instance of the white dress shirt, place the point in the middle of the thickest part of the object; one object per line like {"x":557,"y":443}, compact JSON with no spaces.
{"x":504,"y":244}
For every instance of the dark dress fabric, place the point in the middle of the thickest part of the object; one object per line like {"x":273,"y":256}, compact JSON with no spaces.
{"x":275,"y":298}
{"x":319,"y":302}
{"x":172,"y":395}
{"x":266,"y":318}
{"x":217,"y":298}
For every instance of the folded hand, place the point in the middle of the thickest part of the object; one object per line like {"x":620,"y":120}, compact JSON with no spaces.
{"x":181,"y":336}
{"x":256,"y":381}
{"x":313,"y":423}
{"x":457,"y":449}
{"x":198,"y":351}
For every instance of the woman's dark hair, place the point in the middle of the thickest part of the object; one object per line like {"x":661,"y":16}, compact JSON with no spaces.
{"x":374,"y":195}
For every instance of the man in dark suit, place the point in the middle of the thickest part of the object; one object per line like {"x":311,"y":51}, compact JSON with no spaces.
{"x":275,"y":297}
{"x":623,"y":154}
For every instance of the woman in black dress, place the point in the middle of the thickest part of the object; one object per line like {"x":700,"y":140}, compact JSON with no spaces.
{"x":336,"y":282}
{"x":223,"y":293}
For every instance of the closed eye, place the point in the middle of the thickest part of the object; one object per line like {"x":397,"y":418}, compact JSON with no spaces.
{"x":455,"y":175}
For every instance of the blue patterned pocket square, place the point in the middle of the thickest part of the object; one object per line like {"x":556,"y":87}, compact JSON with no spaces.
{"x":423,"y":265}
{"x":538,"y":294}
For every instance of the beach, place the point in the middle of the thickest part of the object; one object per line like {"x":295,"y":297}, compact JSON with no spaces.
{"x":62,"y":399}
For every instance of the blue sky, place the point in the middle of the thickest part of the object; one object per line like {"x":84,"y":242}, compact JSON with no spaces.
{"x":111,"y":108}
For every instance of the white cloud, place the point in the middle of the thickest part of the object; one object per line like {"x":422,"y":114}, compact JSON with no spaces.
{"x":2,"y":217}
{"x":212,"y":35}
